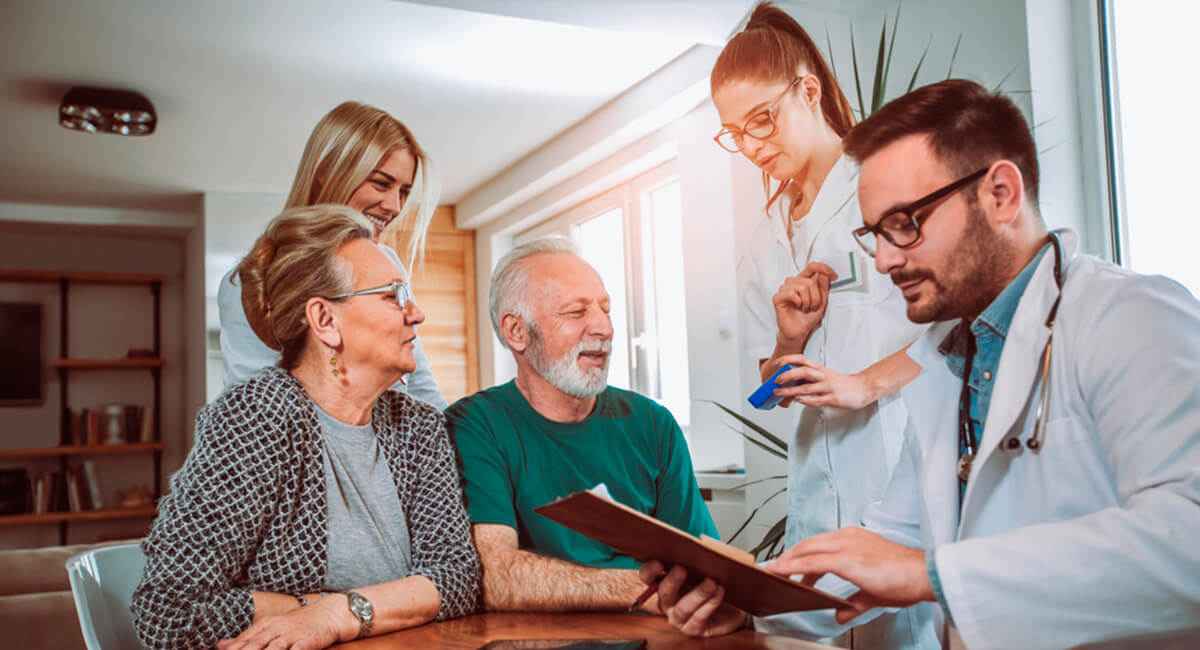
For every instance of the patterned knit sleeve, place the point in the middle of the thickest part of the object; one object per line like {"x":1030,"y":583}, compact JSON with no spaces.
{"x":442,"y":548}
{"x":207,"y":529}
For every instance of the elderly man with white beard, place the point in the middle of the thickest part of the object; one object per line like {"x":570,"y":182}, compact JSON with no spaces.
{"x":559,"y":428}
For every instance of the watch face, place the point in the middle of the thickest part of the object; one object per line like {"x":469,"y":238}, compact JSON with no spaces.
{"x":361,"y":607}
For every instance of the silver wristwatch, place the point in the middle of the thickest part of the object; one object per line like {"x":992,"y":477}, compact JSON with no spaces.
{"x":363,"y":610}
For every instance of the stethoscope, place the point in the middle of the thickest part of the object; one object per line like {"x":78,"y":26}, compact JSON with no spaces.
{"x":966,"y":428}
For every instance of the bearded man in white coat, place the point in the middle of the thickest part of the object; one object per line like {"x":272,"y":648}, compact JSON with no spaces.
{"x":1052,"y":499}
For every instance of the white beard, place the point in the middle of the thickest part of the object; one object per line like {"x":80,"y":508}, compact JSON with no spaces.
{"x":564,"y":372}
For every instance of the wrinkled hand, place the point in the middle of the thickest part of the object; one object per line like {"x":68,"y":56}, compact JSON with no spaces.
{"x":888,"y":574}
{"x":824,"y":387}
{"x":319,"y":625}
{"x":800,"y":303}
{"x":701,"y":611}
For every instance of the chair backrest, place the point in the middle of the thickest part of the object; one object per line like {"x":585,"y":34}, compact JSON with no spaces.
{"x":102,"y":582}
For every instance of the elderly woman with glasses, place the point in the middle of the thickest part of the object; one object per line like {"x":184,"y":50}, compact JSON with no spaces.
{"x":316,"y":506}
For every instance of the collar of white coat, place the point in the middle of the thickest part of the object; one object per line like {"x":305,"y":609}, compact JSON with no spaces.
{"x":1019,"y":362}
{"x":840,"y":185}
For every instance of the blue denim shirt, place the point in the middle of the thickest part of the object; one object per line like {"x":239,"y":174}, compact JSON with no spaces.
{"x":990,"y":330}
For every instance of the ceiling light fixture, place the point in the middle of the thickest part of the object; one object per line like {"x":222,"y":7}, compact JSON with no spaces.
{"x":102,"y":110}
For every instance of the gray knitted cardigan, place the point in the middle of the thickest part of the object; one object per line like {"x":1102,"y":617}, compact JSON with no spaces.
{"x":247,"y":512}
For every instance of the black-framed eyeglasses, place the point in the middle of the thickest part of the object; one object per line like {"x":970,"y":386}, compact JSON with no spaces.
{"x":901,"y":227}
{"x":398,"y":288}
{"x":759,"y":126}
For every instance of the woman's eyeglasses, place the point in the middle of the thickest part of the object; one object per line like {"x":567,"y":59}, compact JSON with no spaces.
{"x":759,"y":126}
{"x":901,"y":227}
{"x":398,"y":288}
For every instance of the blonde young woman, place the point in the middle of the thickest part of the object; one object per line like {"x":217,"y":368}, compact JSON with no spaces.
{"x":316,"y":506}
{"x":814,"y":301}
{"x":362,"y":157}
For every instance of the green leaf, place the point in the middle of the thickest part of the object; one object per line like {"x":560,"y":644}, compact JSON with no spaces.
{"x":953,"y":57}
{"x":887,"y":69}
{"x":832,"y":63}
{"x":751,"y":517}
{"x":773,"y":452}
{"x":771,"y":538}
{"x":1042,"y":123}
{"x":862,"y":113}
{"x":1003,"y":79}
{"x":751,"y":425}
{"x":877,"y":87}
{"x":761,"y":480}
{"x":916,"y":71}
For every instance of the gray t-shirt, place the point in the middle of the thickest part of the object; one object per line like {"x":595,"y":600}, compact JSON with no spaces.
{"x":368,"y":533}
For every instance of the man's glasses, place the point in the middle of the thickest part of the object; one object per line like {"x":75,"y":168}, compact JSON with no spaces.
{"x":901,"y":227}
{"x":759,"y":126}
{"x":398,"y":288}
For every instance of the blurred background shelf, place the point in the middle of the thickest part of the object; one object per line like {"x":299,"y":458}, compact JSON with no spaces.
{"x":81,"y":450}
{"x":144,"y":512}
{"x":135,"y":363}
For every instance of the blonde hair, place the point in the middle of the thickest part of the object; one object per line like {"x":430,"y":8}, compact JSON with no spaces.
{"x":344,"y":148}
{"x":293,"y":260}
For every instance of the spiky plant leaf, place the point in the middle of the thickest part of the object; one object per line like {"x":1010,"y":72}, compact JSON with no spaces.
{"x":877,"y":87}
{"x":829,"y":48}
{"x":752,"y":514}
{"x":761,"y":480}
{"x":862,"y":112}
{"x":758,"y":444}
{"x":953,"y":57}
{"x":917,"y":70}
{"x":775,"y":440}
{"x":771,"y":538}
{"x":887,"y":68}
{"x":1004,"y":79}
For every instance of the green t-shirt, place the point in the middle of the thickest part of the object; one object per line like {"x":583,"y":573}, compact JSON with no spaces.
{"x":515,"y":460}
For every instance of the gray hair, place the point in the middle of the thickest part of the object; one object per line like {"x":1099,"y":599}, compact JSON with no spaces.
{"x":510,"y":279}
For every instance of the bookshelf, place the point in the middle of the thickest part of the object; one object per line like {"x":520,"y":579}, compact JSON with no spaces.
{"x":66,"y":365}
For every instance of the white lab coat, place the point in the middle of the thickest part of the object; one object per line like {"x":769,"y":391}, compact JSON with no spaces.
{"x":839,"y":462}
{"x":1096,"y":539}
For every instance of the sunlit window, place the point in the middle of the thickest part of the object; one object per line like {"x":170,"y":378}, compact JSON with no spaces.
{"x":1155,"y":100}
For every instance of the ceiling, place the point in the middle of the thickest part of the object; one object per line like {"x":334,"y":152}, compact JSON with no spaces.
{"x":238,"y":85}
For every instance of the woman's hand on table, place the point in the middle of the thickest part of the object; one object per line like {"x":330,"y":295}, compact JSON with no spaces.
{"x":699,"y":612}
{"x":326,"y":620}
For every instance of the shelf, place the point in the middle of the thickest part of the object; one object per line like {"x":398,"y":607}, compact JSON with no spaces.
{"x":81,"y":450}
{"x":144,"y":512}
{"x":135,"y":363}
{"x":32,"y":275}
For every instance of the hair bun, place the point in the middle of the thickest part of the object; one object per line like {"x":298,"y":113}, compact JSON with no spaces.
{"x":252,"y":272}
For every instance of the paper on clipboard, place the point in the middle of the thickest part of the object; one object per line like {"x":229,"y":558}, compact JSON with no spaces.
{"x":644,"y":538}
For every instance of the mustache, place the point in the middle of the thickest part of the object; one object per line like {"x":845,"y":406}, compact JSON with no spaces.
{"x":901,"y":277}
{"x":592,"y":346}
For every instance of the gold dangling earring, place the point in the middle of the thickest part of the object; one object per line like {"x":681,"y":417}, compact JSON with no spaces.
{"x":333,"y":365}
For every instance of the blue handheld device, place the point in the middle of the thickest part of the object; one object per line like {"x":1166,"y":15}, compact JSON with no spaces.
{"x":765,"y":399}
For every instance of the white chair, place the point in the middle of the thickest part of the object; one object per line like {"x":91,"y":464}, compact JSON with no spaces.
{"x":102,"y":582}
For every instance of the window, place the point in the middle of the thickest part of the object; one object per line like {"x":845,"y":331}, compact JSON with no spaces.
{"x":633,"y":236}
{"x":1154,"y":153}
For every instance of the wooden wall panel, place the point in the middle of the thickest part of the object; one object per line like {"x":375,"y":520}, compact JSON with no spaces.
{"x":445,"y":289}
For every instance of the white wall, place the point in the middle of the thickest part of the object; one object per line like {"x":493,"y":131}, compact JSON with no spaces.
{"x":104,"y":322}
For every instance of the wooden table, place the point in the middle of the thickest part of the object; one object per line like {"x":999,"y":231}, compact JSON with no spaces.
{"x":474,"y":631}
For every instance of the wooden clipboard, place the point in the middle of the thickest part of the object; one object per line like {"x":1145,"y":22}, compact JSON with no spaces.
{"x":644,"y":538}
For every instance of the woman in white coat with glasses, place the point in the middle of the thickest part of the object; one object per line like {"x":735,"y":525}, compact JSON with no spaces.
{"x":813,"y":299}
